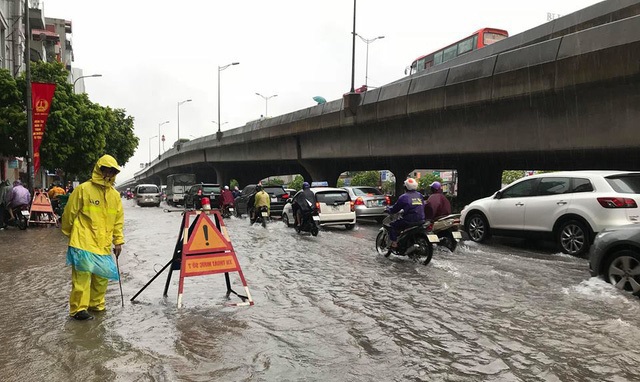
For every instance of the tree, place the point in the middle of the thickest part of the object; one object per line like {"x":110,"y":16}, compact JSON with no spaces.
{"x":366,"y":178}
{"x":388,"y":187}
{"x":233,"y":183}
{"x":510,"y":176}
{"x":274,"y":182}
{"x":425,"y":181}
{"x":296,"y":183}
{"x":13,"y":120}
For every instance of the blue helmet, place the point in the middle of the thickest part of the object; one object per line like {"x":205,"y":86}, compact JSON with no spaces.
{"x":436,"y":185}
{"x":305,"y":185}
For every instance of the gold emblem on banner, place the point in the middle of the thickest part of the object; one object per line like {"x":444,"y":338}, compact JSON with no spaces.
{"x":41,"y":105}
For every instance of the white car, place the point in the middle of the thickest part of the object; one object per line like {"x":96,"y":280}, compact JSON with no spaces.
{"x":334,"y":205}
{"x":570,"y":207}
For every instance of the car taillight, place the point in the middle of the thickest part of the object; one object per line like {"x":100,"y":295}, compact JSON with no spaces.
{"x":430,"y":227}
{"x":615,"y":202}
{"x":285,"y":196}
{"x":318,"y":206}
{"x":199,"y":192}
{"x":353,"y":207}
{"x":359,"y":202}
{"x":387,"y":200}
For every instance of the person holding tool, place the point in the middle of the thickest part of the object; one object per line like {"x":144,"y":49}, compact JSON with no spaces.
{"x":93,"y":220}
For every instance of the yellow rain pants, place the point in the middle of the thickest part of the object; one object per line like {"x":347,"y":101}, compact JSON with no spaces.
{"x":87,"y":292}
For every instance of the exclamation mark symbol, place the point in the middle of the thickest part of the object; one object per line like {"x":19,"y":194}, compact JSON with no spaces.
{"x":206,"y":234}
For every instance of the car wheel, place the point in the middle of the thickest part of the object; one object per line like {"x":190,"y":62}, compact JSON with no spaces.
{"x":349,"y":226}
{"x":624,"y":271}
{"x":573,"y":238}
{"x":478,"y":228}
{"x":447,"y":241}
{"x":237,"y":212}
{"x":379,"y":219}
{"x":285,"y":220}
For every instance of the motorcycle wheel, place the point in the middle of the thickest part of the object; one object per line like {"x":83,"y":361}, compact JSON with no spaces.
{"x":22,"y":222}
{"x":314,"y":230}
{"x":264,"y":222}
{"x":447,"y":241}
{"x":426,"y":249}
{"x":382,"y":244}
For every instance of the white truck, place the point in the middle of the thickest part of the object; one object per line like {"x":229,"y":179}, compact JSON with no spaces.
{"x":177,"y":185}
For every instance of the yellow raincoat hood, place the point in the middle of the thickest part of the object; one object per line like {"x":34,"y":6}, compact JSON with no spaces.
{"x":93,"y":217}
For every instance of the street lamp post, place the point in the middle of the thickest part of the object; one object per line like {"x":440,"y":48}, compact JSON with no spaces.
{"x":180,"y":103}
{"x":368,"y":41}
{"x":160,"y":124}
{"x":155,"y":136}
{"x":76,"y":80}
{"x":266,"y":103}
{"x":221,"y":68}
{"x":353,"y":50}
{"x":223,"y":123}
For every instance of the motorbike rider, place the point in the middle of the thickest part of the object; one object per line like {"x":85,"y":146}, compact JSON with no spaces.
{"x":226,"y":198}
{"x":261,"y":198}
{"x":54,"y":194}
{"x":412,"y":203}
{"x":437,"y":204}
{"x":235,"y":192}
{"x":19,"y":196}
{"x":303,"y":204}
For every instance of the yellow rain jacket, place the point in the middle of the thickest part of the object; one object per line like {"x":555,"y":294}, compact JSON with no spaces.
{"x":262,"y":199}
{"x":93,"y":217}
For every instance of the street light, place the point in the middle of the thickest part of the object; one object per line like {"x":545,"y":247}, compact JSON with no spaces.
{"x":266,"y":103}
{"x":180,"y":103}
{"x":368,"y":41}
{"x":223,"y":123}
{"x":160,"y":124}
{"x":155,"y":136}
{"x":76,"y":80}
{"x":221,"y":68}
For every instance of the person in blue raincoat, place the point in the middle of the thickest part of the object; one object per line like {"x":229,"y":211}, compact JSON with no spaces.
{"x":93,"y":220}
{"x":412,"y":203}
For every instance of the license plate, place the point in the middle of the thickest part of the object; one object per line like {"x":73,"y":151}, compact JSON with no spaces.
{"x":316,"y":218}
{"x":273,"y":200}
{"x":264,"y":214}
{"x":457,"y":235}
{"x":230,"y":209}
{"x":433,"y":238}
{"x":24,"y":213}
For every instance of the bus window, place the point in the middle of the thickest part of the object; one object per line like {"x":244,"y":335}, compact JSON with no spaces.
{"x":465,"y":46}
{"x":490,"y":38}
{"x":437,"y":58}
{"x":450,"y":53}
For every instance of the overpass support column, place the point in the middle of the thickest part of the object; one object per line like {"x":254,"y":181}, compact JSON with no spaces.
{"x":478,"y":181}
{"x":401,"y":174}
{"x":323,"y":172}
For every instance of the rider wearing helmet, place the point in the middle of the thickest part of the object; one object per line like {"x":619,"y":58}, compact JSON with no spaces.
{"x":261,"y":198}
{"x":303,"y":203}
{"x":437,"y":204}
{"x":412,"y":203}
{"x":226,"y":198}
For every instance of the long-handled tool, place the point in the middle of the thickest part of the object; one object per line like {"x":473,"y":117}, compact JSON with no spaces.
{"x":120,"y":281}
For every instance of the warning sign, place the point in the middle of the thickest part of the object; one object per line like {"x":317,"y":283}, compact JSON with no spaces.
{"x":196,"y":265}
{"x":206,"y":238}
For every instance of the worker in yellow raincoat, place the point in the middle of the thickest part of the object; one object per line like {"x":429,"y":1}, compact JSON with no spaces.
{"x":93,"y":219}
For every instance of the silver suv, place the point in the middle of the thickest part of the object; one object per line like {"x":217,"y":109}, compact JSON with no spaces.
{"x":569,"y":207}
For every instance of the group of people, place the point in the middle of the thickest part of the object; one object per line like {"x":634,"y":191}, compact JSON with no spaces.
{"x":260,"y":199}
{"x":12,"y":197}
{"x":415,"y":210}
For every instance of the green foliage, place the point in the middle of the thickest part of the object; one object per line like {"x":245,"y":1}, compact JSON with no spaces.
{"x":425,"y":181}
{"x":78,"y":131}
{"x":340,"y":183}
{"x":509,"y":176}
{"x":388,"y":187}
{"x":274,"y":182}
{"x":233,"y":184}
{"x":296,"y":183}
{"x":366,"y":178}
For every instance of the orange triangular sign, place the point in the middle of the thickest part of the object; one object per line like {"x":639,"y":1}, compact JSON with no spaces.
{"x":206,"y":238}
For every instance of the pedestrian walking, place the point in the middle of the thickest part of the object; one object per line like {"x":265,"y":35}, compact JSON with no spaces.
{"x":93,"y":220}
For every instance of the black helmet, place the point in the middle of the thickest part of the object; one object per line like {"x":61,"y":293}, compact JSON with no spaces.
{"x":305,"y":185}
{"x":258,"y":188}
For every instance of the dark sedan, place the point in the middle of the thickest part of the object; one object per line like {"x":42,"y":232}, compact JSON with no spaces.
{"x":244,"y":202}
{"x":193,"y":197}
{"x":615,"y":256}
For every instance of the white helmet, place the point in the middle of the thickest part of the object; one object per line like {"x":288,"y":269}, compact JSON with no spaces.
{"x":226,"y":187}
{"x":411,"y":184}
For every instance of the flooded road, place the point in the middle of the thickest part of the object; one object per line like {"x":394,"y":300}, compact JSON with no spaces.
{"x":326,"y":309}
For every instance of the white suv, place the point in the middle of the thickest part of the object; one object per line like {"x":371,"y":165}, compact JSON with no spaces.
{"x":570,"y":207}
{"x":334,"y":205}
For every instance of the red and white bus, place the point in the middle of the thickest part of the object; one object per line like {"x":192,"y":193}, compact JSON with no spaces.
{"x":481,"y":38}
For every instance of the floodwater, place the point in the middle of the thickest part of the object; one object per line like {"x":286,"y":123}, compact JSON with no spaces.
{"x":326,"y":309}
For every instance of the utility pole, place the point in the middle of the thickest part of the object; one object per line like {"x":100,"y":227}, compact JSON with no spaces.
{"x":27,"y":59}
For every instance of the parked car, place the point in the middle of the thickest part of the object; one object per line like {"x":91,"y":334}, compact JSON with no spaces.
{"x":334,"y":205}
{"x":193,"y":196}
{"x":569,"y":207}
{"x":369,"y":202}
{"x":615,"y":256}
{"x":147,"y":195}
{"x":245,"y":200}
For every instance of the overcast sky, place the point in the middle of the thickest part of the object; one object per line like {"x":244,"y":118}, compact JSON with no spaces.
{"x":153,"y":54}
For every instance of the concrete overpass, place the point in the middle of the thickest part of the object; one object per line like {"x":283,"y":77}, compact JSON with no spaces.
{"x":570,"y":101}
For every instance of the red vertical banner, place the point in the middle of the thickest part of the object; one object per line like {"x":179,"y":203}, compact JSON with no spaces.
{"x":41,"y":96}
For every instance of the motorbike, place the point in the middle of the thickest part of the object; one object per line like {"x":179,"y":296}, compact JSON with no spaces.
{"x":448,"y":230}
{"x":227,"y":210}
{"x":413,"y":242}
{"x":310,"y":220}
{"x":261,"y":215}
{"x":21,"y":217}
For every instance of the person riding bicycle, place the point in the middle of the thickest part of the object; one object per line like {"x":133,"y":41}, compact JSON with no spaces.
{"x":437,"y":204}
{"x":226,"y":198}
{"x":261,"y":199}
{"x":412,"y":203}
{"x":303,"y":204}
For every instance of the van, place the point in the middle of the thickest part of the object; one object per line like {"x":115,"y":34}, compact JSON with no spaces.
{"x":147,"y":195}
